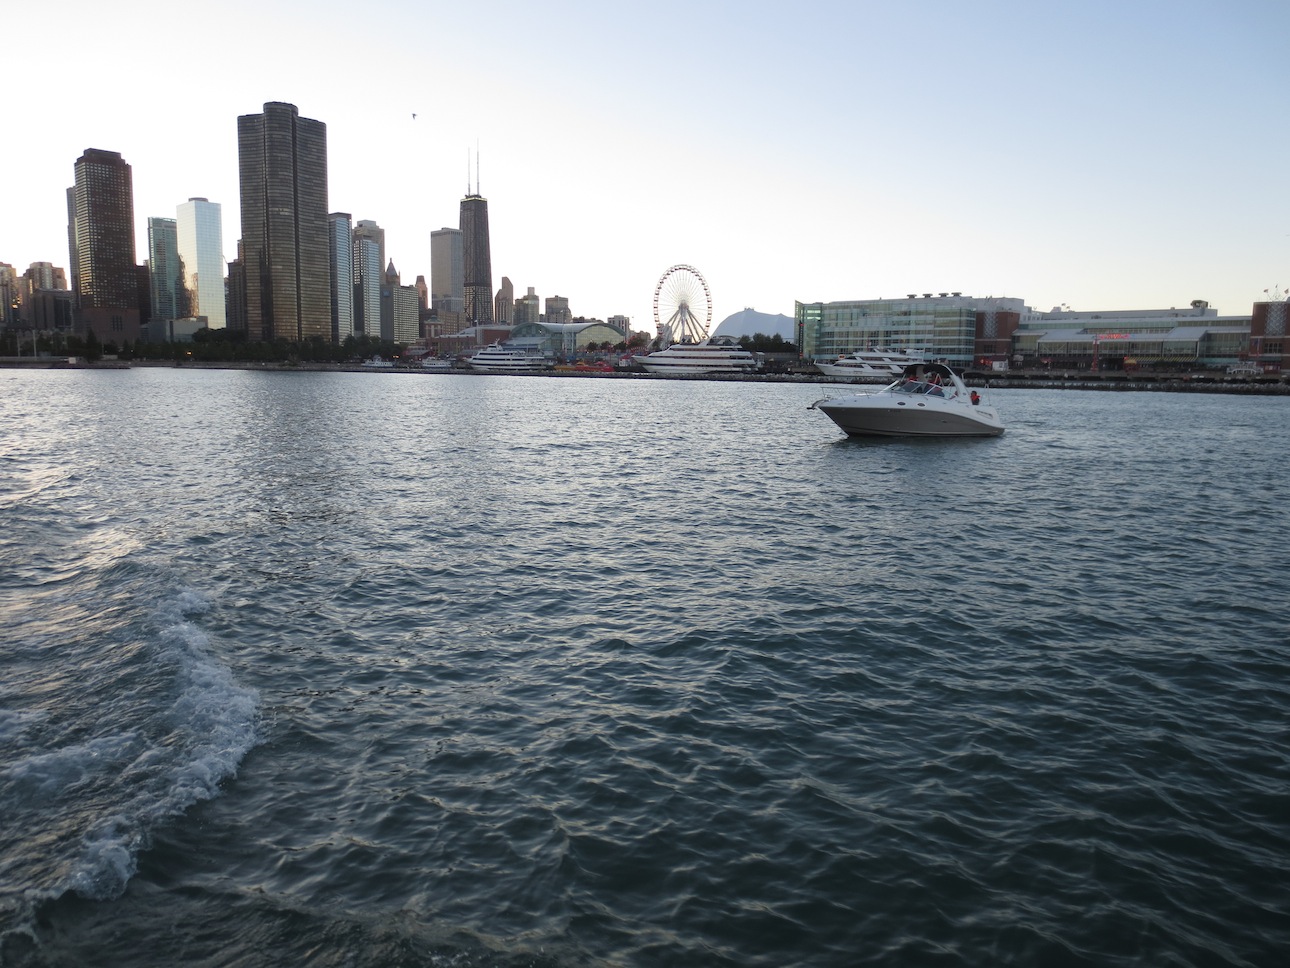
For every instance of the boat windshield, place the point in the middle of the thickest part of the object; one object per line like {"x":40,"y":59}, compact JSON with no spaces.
{"x":935,"y":381}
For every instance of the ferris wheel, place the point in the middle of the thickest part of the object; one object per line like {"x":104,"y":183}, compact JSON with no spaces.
{"x":682,"y":306}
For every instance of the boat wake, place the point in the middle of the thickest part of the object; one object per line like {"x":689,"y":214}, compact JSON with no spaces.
{"x":112,"y":727}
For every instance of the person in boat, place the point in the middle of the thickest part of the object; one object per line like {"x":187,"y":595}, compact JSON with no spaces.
{"x":976,"y":399}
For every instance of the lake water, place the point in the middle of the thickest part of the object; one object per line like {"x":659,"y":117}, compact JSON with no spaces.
{"x":371,"y":669}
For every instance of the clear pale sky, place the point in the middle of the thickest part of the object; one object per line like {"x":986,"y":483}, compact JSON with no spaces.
{"x":1107,"y":154}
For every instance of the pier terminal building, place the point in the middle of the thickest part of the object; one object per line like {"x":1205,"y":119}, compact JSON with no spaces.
{"x":1001,"y":332}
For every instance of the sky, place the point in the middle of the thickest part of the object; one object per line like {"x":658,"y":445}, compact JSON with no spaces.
{"x":1107,"y":154}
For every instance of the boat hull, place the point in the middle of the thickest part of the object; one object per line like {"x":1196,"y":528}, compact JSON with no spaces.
{"x":911,"y":418}
{"x":509,"y":368}
{"x":694,"y":369}
{"x":718,"y":355}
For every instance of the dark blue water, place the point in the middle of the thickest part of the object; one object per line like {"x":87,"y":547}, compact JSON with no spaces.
{"x":383,"y":669}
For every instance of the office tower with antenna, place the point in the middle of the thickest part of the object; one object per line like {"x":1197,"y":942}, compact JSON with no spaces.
{"x":477,"y":275}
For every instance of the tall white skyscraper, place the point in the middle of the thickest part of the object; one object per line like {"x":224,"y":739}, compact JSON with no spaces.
{"x":339,"y":237}
{"x":369,"y":243}
{"x":200,"y":236}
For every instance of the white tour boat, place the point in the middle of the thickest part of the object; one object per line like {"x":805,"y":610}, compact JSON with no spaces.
{"x":929,"y":400}
{"x":875,"y":365}
{"x":719,"y":354}
{"x":496,"y":358}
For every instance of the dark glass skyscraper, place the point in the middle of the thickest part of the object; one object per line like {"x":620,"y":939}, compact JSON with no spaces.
{"x":282,"y":167}
{"x":477,"y":262}
{"x":100,"y":233}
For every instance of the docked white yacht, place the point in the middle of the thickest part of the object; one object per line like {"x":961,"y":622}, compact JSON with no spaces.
{"x":929,"y":400}
{"x":719,"y":354}
{"x":496,"y":358}
{"x":874,"y":365}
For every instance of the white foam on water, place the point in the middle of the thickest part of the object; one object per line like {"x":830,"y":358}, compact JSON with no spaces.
{"x":178,"y":757}
{"x":50,"y":774}
{"x":14,"y":722}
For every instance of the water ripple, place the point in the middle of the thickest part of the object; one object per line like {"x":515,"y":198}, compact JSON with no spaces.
{"x":562,"y":680}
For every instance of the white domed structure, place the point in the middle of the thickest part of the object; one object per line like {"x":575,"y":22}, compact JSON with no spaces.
{"x":749,"y":322}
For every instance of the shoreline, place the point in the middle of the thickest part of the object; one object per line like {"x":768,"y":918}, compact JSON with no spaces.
{"x":1010,"y":380}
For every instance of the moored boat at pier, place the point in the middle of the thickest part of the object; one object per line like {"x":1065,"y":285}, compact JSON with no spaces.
{"x":496,"y":358}
{"x":874,"y":365}
{"x":719,"y":354}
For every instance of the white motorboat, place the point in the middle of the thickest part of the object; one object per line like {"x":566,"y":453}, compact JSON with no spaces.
{"x":929,"y":400}
{"x":719,"y":354}
{"x":874,"y":365}
{"x":496,"y":358}
{"x":377,"y":363}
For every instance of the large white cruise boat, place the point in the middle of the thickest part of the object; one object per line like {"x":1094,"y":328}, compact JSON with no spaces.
{"x":720,"y":354}
{"x":496,"y":358}
{"x":876,"y":365}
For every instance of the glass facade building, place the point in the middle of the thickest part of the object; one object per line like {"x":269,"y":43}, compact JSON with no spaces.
{"x":164,"y":277}
{"x":282,"y":170}
{"x":201,"y":252}
{"x":943,"y":326}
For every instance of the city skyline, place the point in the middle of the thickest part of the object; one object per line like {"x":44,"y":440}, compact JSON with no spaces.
{"x":1110,"y":156}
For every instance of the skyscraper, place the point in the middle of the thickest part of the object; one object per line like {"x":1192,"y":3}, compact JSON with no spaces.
{"x":557,"y":309}
{"x":100,"y":234}
{"x":9,"y":294}
{"x":477,"y":279}
{"x":340,"y":245}
{"x":526,"y":308}
{"x":369,"y":273}
{"x":504,"y":302}
{"x":282,"y":168}
{"x":163,"y":268}
{"x":447,"y":271}
{"x":400,"y":318}
{"x":201,"y":254}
